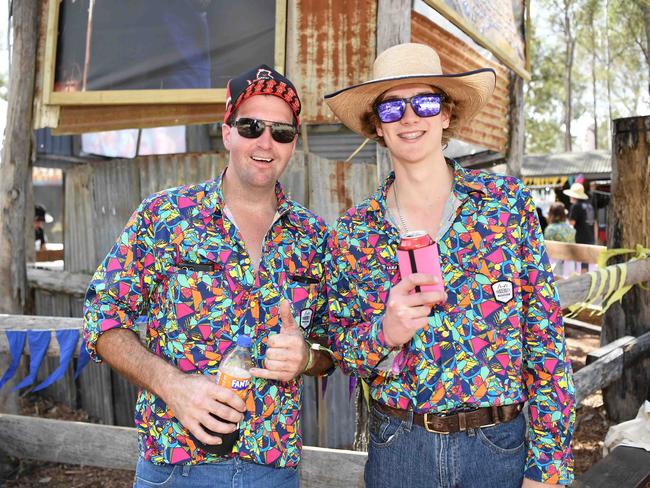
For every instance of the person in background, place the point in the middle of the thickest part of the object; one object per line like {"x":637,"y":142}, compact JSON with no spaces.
{"x":558,"y":228}
{"x":448,"y":373}
{"x":206,"y":264}
{"x":41,"y":217}
{"x":581,"y":214}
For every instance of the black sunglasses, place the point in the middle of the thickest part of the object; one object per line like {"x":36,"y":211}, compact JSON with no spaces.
{"x":424,"y":105}
{"x":253,"y":128}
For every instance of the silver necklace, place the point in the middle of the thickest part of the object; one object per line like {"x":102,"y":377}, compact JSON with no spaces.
{"x":399,"y":212}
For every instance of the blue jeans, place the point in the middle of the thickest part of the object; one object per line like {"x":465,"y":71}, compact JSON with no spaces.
{"x":401,"y":454}
{"x":233,"y":473}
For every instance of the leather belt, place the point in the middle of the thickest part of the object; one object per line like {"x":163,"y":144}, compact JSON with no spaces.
{"x":441,"y":423}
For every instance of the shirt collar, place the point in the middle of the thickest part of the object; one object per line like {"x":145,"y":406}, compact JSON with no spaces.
{"x":214,"y":202}
{"x":464,"y":183}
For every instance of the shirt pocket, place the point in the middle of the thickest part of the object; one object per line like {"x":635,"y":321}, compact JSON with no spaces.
{"x":301,"y":289}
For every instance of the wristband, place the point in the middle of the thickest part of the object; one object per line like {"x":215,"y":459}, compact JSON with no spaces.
{"x":310,"y":358}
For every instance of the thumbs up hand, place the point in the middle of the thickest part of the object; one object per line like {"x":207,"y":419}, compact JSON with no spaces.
{"x":286,"y":352}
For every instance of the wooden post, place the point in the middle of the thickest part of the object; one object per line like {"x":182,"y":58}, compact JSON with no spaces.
{"x":15,"y":158}
{"x":629,"y":225}
{"x":14,"y":171}
{"x":515,"y":153}
{"x":393,"y":27}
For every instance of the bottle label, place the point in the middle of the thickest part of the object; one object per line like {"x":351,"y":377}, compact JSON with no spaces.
{"x":238,"y":384}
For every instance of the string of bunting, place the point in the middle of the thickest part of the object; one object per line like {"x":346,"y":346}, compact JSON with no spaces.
{"x":39,"y":341}
{"x":607,"y":284}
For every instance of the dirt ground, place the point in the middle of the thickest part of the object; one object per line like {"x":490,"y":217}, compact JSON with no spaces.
{"x":591,"y":427}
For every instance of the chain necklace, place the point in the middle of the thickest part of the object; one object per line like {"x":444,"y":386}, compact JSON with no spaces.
{"x":402,"y":222}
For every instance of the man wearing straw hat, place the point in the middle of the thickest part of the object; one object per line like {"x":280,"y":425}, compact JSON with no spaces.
{"x":448,"y":372}
{"x":581,"y":214}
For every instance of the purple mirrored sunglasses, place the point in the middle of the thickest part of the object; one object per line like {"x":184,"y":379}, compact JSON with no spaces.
{"x":424,"y":105}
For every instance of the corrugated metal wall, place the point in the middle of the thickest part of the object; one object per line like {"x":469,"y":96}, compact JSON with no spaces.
{"x":330,"y":44}
{"x":490,"y":127}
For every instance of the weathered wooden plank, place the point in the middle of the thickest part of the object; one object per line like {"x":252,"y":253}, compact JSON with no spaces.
{"x":610,"y":366}
{"x":624,"y":467}
{"x":393,"y":23}
{"x":85,"y":444}
{"x":574,"y":290}
{"x":583,"y":253}
{"x":601,"y":352}
{"x":27,"y":322}
{"x":57,"y":281}
{"x":69,"y":442}
{"x":598,"y":374}
{"x":49,"y":254}
{"x":335,"y":468}
{"x":582,"y":326}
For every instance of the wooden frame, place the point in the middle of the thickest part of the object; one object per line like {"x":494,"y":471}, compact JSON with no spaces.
{"x":144,"y":96}
{"x":453,"y":16}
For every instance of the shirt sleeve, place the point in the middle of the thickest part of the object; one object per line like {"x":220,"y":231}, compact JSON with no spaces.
{"x":118,"y":290}
{"x":355,"y":332}
{"x":548,"y":375}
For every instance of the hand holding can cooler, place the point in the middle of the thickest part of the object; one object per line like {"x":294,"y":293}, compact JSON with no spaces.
{"x":418,"y":253}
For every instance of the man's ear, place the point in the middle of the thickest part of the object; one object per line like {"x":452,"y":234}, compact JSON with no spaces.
{"x":380,"y":132}
{"x":225,"y":135}
{"x":446,"y":119}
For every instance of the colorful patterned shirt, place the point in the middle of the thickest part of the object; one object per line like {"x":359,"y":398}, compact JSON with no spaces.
{"x":182,"y":263}
{"x":499,"y":338}
{"x":560,"y":231}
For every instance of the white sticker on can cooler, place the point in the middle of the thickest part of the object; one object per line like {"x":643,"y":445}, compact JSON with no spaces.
{"x":306,"y":315}
{"x":502,"y":291}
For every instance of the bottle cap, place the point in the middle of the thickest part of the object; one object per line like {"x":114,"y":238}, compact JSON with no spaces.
{"x":244,"y":341}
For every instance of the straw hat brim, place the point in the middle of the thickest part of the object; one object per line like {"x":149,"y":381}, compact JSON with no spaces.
{"x":470,"y":92}
{"x":573,"y":194}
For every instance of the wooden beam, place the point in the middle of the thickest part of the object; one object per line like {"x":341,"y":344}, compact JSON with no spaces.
{"x":625,"y":466}
{"x":598,"y":374}
{"x":584,"y":253}
{"x":16,"y":156}
{"x":582,"y":326}
{"x":69,"y":442}
{"x":56,"y":281}
{"x":393,"y":27}
{"x":601,"y":352}
{"x":574,"y":290}
{"x":81,"y":443}
{"x":610,"y":366}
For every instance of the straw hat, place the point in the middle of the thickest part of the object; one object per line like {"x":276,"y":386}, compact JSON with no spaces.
{"x":412,"y":63}
{"x":576,"y":191}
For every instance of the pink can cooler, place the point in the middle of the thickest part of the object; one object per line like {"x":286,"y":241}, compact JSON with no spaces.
{"x":417,"y":253}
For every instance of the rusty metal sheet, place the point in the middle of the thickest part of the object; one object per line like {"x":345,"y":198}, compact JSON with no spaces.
{"x":490,"y":127}
{"x":330,"y":45}
{"x":335,"y":186}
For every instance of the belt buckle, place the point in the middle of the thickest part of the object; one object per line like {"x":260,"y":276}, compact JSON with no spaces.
{"x":431,"y":429}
